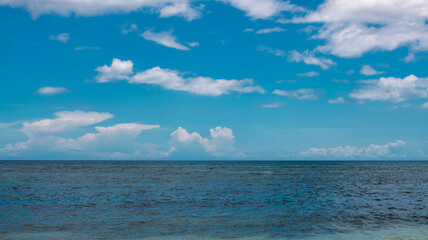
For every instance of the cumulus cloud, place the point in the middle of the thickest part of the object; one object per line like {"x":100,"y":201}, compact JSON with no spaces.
{"x":222,"y":141}
{"x":62,"y":37}
{"x":369,"y":71}
{"x":270,"y":30}
{"x":337,"y":100}
{"x":373,"y":151}
{"x":309,"y":58}
{"x":263,"y":9}
{"x":174,"y":80}
{"x":166,"y":8}
{"x":393,"y":89}
{"x":308,"y":74}
{"x":164,"y":38}
{"x":352,"y":28}
{"x":45,"y":138}
{"x":51,"y":90}
{"x":301,"y":94}
{"x":118,"y":70}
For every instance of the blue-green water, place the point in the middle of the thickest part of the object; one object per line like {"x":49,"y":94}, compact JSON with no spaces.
{"x":213,"y":200}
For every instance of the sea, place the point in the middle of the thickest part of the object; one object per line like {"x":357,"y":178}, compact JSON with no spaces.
{"x":213,"y":200}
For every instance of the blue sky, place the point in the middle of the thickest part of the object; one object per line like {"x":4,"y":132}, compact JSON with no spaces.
{"x":232,"y":79}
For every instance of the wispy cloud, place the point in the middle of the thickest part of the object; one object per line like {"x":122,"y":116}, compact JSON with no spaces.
{"x":62,"y":37}
{"x":301,"y":94}
{"x":272,"y":105}
{"x":308,"y":74}
{"x":337,"y":100}
{"x":270,"y":30}
{"x":369,"y":71}
{"x":52,"y":90}
{"x":164,"y":38}
{"x":309,"y":58}
{"x":270,"y":50}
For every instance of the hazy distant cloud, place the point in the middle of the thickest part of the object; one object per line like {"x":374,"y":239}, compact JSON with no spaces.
{"x":165,"y":8}
{"x":369,"y":71}
{"x":301,"y":94}
{"x":272,"y":105}
{"x":424,"y":106}
{"x":275,"y":52}
{"x":337,"y":100}
{"x":393,"y":89}
{"x":62,"y":37}
{"x":270,"y":30}
{"x":309,"y":58}
{"x":174,"y":80}
{"x":51,"y":90}
{"x":389,"y":150}
{"x":164,"y":38}
{"x":308,"y":74}
{"x":45,"y":137}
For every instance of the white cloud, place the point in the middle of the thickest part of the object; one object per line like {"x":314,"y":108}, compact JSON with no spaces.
{"x":337,"y":100}
{"x":164,"y":38}
{"x":310,"y":59}
{"x":272,"y":105}
{"x":51,"y":90}
{"x":308,"y":74}
{"x":369,"y":71}
{"x":389,"y":150}
{"x":352,"y":28}
{"x":62,"y":37}
{"x":45,"y":138}
{"x":166,"y":8}
{"x":270,"y":30}
{"x":393,"y":89}
{"x":119,"y":70}
{"x":222,"y":141}
{"x":263,"y":9}
{"x":301,"y":94}
{"x":174,"y":80}
{"x":275,"y":52}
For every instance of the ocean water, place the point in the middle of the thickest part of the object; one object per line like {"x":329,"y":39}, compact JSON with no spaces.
{"x":213,"y":200}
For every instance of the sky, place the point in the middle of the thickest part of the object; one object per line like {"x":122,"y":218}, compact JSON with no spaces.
{"x":214,"y":80}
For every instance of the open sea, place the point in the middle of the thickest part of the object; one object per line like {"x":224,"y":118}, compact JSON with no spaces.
{"x":213,"y":200}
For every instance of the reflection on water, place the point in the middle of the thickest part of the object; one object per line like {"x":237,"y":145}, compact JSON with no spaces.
{"x":218,"y":200}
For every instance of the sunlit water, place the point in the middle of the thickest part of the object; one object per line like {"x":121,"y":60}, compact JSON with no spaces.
{"x":214,"y":200}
